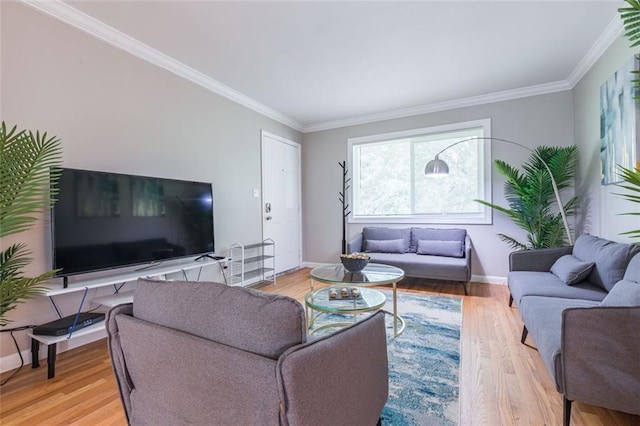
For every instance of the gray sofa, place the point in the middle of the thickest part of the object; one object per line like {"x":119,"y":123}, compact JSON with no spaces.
{"x":205,"y":353}
{"x":441,"y":254}
{"x":581,"y":306}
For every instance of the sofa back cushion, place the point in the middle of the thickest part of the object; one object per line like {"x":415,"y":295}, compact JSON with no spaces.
{"x":262,"y":323}
{"x":440,"y":248}
{"x":385,"y":246}
{"x":434,"y":234}
{"x":380,"y":234}
{"x":633,"y":269}
{"x":624,"y":293}
{"x":611,"y":264}
{"x":611,"y":259}
{"x":587,"y":247}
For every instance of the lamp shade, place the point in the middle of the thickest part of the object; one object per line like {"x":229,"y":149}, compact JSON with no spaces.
{"x":436,"y":167}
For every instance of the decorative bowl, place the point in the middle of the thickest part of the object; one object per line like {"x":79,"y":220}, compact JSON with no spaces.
{"x":354,"y":262}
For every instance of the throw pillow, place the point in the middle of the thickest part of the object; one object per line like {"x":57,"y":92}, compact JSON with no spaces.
{"x":385,"y":246}
{"x":571,"y":270}
{"x":381,"y":233}
{"x":624,"y":293}
{"x":452,"y":234}
{"x":440,"y":248}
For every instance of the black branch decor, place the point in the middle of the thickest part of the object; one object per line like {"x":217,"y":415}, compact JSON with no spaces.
{"x":342,"y":197}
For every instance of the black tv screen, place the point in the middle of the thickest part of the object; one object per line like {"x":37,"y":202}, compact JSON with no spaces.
{"x":109,"y":220}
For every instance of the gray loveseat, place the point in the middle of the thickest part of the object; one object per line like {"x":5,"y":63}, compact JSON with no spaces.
{"x":441,"y":254}
{"x":205,"y":353}
{"x":581,"y":306}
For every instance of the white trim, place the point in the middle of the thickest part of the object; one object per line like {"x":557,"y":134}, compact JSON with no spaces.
{"x":489,"y":279}
{"x":485,"y":216}
{"x":506,"y":95}
{"x":112,"y":36}
{"x":298,"y":148}
{"x":108,"y":34}
{"x":610,"y":34}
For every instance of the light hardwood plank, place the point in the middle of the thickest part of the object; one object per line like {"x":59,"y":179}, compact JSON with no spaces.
{"x":502,"y":382}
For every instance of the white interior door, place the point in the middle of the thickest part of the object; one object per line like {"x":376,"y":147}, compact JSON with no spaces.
{"x":281,"y":199}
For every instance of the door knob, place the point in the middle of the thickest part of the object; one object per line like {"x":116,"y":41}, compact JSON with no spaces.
{"x":268,"y":218}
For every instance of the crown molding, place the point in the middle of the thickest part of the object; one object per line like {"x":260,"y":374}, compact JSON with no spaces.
{"x":506,"y":95}
{"x":71,"y":16}
{"x":610,"y":34}
{"x":118,"y":39}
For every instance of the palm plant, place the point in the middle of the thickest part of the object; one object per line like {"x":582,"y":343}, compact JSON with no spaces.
{"x":29,"y":168}
{"x":631,"y":20}
{"x":530,"y":196}
{"x":632,"y":183}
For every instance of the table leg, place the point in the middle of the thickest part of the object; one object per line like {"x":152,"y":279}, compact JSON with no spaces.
{"x":395,"y":311}
{"x":51,"y":360}
{"x":35,"y":353}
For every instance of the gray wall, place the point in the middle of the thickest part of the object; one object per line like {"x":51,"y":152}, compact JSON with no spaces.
{"x":533,"y":121}
{"x":601,"y":207}
{"x":115,"y":112}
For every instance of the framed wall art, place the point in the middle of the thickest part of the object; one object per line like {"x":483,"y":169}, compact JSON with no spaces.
{"x":619,"y":118}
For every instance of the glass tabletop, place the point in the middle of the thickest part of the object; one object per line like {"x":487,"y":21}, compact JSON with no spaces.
{"x":370,"y":300}
{"x":372,"y":274}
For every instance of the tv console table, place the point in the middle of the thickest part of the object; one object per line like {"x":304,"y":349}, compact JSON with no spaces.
{"x":84,"y":285}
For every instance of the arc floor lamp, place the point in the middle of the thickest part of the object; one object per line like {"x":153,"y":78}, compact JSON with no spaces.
{"x":438,"y":167}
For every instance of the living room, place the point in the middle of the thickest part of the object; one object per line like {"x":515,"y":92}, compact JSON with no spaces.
{"x":121,"y":111}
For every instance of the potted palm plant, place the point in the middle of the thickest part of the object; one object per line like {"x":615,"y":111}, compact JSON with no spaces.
{"x":29,"y":169}
{"x":530,"y":196}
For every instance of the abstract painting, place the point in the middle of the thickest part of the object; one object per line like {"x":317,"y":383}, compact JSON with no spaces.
{"x":619,"y":145}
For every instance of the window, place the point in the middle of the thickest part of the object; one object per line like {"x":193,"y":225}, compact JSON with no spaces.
{"x":389,"y":184}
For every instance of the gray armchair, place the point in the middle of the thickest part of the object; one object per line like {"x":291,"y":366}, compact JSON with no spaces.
{"x":205,"y":353}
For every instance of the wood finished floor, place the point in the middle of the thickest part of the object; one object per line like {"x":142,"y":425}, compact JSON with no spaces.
{"x":502,"y":382}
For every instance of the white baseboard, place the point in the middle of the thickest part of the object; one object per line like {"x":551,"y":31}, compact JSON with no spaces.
{"x":12,"y":361}
{"x":489,"y":279}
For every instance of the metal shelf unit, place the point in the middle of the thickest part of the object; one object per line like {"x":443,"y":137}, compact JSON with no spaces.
{"x":252,"y":264}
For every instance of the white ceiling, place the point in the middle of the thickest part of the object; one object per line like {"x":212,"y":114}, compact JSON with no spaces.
{"x":325,"y":64}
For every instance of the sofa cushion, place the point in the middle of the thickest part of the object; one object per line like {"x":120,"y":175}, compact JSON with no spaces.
{"x":380,"y":233}
{"x":453,"y":234}
{"x":611,"y":264}
{"x":426,"y":266}
{"x":223,"y":314}
{"x":440,"y":248}
{"x":529,"y":283}
{"x":543,"y":318}
{"x":571,"y":270}
{"x":633,"y":269}
{"x":624,"y":293}
{"x":385,"y":246}
{"x":587,"y":247}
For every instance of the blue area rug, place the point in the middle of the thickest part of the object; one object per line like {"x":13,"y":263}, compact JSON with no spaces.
{"x":424,"y":361}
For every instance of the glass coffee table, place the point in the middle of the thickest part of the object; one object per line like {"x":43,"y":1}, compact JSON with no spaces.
{"x":372,"y":274}
{"x":322,"y":302}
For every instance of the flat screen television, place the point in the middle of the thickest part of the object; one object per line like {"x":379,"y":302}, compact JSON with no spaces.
{"x":109,"y":220}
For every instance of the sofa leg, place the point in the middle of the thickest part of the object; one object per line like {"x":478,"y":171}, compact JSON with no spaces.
{"x":566,"y":412}
{"x":524,"y":334}
{"x":510,"y":300}
{"x":464,"y":286}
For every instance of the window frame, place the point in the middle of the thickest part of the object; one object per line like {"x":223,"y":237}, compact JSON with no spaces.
{"x":485,"y":216}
